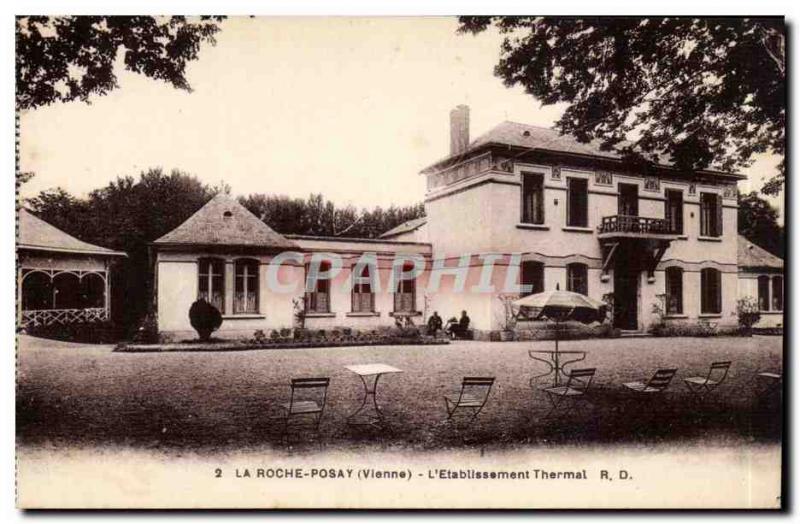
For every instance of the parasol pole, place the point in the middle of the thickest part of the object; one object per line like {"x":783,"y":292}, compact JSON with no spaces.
{"x":558,"y":326}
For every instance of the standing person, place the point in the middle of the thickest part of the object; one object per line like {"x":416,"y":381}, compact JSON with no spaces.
{"x":434,"y":324}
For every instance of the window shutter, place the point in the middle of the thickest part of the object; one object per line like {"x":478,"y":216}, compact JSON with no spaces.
{"x":719,"y":216}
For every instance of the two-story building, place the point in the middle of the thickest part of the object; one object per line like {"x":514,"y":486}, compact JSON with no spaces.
{"x":584,"y":220}
{"x":518,"y":206}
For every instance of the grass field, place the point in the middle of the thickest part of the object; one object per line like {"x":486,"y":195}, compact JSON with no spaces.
{"x":70,"y":394}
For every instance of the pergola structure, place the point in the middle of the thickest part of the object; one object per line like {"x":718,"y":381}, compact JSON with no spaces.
{"x":60,"y":279}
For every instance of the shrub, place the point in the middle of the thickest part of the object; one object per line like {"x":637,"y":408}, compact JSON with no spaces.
{"x":747,"y":313}
{"x":286,"y":332}
{"x":259,"y":337}
{"x":692,"y":329}
{"x":274,"y":335}
{"x":98,"y":332}
{"x":147,"y":333}
{"x":205,"y":318}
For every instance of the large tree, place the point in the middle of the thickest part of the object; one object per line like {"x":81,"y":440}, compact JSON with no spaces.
{"x":758,"y":222}
{"x":127,"y":215}
{"x":64,"y":58}
{"x":703,"y":92}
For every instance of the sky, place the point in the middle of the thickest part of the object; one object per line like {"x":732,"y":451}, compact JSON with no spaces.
{"x":350,"y":108}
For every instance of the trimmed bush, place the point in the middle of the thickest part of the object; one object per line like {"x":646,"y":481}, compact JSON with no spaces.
{"x":205,"y":318}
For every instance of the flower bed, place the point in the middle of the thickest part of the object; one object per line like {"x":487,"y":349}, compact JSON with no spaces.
{"x":277,"y":343}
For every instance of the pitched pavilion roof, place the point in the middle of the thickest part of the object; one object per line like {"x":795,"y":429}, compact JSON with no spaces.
{"x":753,"y":256}
{"x":35,"y":233}
{"x":528,"y":136}
{"x":225,"y":222}
{"x":405,"y":227}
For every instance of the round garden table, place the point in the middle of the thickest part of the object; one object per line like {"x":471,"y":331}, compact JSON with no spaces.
{"x":555,"y":364}
{"x":366,"y":415}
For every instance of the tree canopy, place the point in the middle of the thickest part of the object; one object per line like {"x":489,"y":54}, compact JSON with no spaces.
{"x":65,"y":58}
{"x":758,"y":222}
{"x":129,"y":213}
{"x":694,"y":92}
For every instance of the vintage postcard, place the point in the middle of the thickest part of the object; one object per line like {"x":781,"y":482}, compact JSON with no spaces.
{"x":397,"y":262}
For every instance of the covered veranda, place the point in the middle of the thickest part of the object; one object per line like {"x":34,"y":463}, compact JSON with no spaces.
{"x":60,"y":279}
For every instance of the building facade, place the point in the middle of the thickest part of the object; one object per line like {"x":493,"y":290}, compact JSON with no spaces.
{"x":761,"y":279}
{"x":259,"y":279}
{"x":652,"y":240}
{"x":520,"y":209}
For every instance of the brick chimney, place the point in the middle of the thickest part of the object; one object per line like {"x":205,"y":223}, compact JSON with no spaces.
{"x":459,"y":129}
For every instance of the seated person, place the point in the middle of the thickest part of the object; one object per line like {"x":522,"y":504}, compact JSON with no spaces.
{"x":451,"y":327}
{"x":458,"y":328}
{"x":434,"y":324}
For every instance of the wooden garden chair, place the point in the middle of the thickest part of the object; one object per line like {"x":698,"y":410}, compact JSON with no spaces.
{"x":701,"y":386}
{"x":578,"y":383}
{"x":769,"y":383}
{"x":472,"y":397}
{"x":655,"y":386}
{"x":306,"y":404}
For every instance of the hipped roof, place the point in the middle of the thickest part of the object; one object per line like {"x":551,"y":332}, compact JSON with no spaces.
{"x":225,"y":222}
{"x":515,"y":134}
{"x":35,"y":233}
{"x":751,"y":256}
{"x":405,"y":227}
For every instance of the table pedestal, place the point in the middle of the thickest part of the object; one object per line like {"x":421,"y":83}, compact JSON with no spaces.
{"x":368,"y":413}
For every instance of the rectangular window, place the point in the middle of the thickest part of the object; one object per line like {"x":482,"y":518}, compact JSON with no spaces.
{"x":777,"y":293}
{"x":532,"y":198}
{"x":577,"y":202}
{"x":532,"y":277}
{"x":318,"y":299}
{"x":763,"y":293}
{"x":628,"y":200}
{"x":245,"y":298}
{"x":405,"y":294}
{"x":363,"y":297}
{"x":710,"y":291}
{"x":674,"y":289}
{"x":577,"y":278}
{"x":710,"y":215}
{"x":211,"y":282}
{"x":673,"y":212}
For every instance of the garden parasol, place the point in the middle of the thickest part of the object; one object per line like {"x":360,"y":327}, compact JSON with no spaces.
{"x":560,"y":306}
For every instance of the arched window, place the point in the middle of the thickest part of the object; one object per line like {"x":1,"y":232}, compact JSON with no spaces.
{"x":37,"y":292}
{"x":405,"y":296}
{"x":674,"y":290}
{"x":93,"y":291}
{"x":532,"y":277}
{"x":245,"y":296}
{"x":577,"y":278}
{"x":763,"y":293}
{"x":777,"y":293}
{"x":67,"y":291}
{"x":211,"y":282}
{"x":710,"y":291}
{"x":318,"y":297}
{"x":363,"y":297}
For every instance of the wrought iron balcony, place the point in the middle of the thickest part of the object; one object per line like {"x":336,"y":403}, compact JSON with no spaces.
{"x":633,"y":226}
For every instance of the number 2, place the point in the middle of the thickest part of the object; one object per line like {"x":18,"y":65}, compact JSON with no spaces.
{"x":218,"y":473}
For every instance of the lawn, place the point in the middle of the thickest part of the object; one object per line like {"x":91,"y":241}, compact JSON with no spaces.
{"x":70,"y":394}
